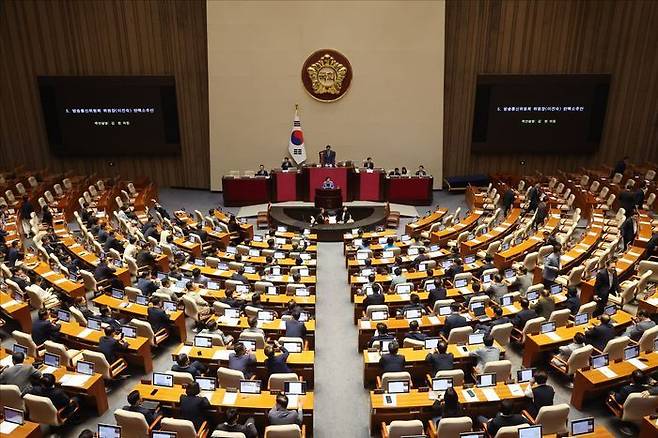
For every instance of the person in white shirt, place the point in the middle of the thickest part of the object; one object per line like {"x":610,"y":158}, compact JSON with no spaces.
{"x":131,"y":249}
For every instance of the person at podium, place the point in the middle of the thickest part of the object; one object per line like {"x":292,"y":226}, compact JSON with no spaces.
{"x":286,"y":164}
{"x":261,"y":171}
{"x":368,"y":164}
{"x":328,"y":157}
{"x":328,"y":184}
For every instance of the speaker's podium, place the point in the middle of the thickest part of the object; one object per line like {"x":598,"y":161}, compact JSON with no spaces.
{"x":331,"y":199}
{"x":317,"y":175}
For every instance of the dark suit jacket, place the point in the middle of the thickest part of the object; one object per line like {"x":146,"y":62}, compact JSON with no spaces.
{"x":195,"y":368}
{"x":110,"y":347}
{"x":277,"y":364}
{"x":508,"y":199}
{"x":602,"y":286}
{"x":439,"y":293}
{"x":600,"y":335}
{"x":454,"y":320}
{"x":390,"y":363}
{"x":112,"y":243}
{"x":440,"y":362}
{"x":501,"y":420}
{"x":533,"y":197}
{"x":157,"y":318}
{"x":627,"y":390}
{"x":295,"y":329}
{"x":103,"y":272}
{"x":43,"y":330}
{"x":628,"y":231}
{"x":522,"y":317}
{"x":194,"y":408}
{"x":329,"y":157}
{"x":147,"y":413}
{"x":627,"y":201}
{"x":573,"y":304}
{"x":542,"y":395}
{"x":374,"y":299}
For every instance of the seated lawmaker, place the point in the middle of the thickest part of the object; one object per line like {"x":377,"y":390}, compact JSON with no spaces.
{"x":286,"y":164}
{"x":344,"y":216}
{"x":194,"y":407}
{"x":392,"y":362}
{"x":421,"y":171}
{"x":185,"y":365}
{"x":439,"y":359}
{"x":135,"y":405}
{"x":43,"y":329}
{"x":505,"y":417}
{"x":281,"y":415}
{"x":368,"y":164}
{"x":261,"y":171}
{"x":637,"y":384}
{"x":394,"y":172}
{"x":328,"y":184}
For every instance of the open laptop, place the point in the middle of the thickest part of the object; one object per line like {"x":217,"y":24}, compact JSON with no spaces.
{"x":203,"y":341}
{"x":63,"y":315}
{"x":439,"y":386}
{"x":431,"y":343}
{"x":532,"y":296}
{"x":11,"y":415}
{"x":250,"y":386}
{"x":582,"y":426}
{"x":117,"y":293}
{"x":109,"y":431}
{"x":403,"y":289}
{"x":547,"y":327}
{"x":556,"y":289}
{"x":599,"y":361}
{"x":163,"y":434}
{"x":524,"y":375}
{"x":293,"y":347}
{"x":631,"y":352}
{"x":486,"y":380}
{"x":265,"y":315}
{"x":129,"y":331}
{"x":397,"y":387}
{"x":413,"y":314}
{"x":83,"y":367}
{"x":380,"y":315}
{"x":163,"y":379}
{"x":476,"y":338}
{"x":471,"y":435}
{"x":580,"y":319}
{"x":294,"y":388}
{"x":207,"y":385}
{"x":51,"y":360}
{"x":18,"y":348}
{"x":530,"y":432}
{"x":93,"y":323}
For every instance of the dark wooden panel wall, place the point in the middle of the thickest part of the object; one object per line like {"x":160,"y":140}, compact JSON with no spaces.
{"x":104,"y":37}
{"x":564,"y":36}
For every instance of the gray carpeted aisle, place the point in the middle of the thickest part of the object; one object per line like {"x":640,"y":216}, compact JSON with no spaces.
{"x":341,"y":403}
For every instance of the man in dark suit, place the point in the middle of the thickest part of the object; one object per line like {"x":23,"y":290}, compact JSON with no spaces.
{"x":392,"y":362}
{"x":540,"y":393}
{"x":157,"y":317}
{"x":652,"y":244}
{"x":639,"y":194}
{"x":620,"y":167}
{"x":456,"y":268}
{"x":525,"y":315}
{"x":626,"y":200}
{"x":43,"y":330}
{"x":533,"y":197}
{"x":414,"y":332}
{"x":13,"y":254}
{"x":193,"y":407}
{"x":294,"y":327}
{"x":438,"y":293}
{"x":59,"y":398}
{"x":239,"y":276}
{"x":103,"y":271}
{"x":638,"y":384}
{"x":276,"y":363}
{"x":606,"y":283}
{"x":498,"y":319}
{"x":281,"y":415}
{"x":599,"y":335}
{"x":573,"y":301}
{"x":454,"y":320}
{"x":368,"y":164}
{"x":232,"y":424}
{"x":629,"y":229}
{"x":377,"y":298}
{"x":506,"y":417}
{"x":439,"y":359}
{"x":135,"y":405}
{"x":112,"y":243}
{"x":329,"y":156}
{"x":286,"y":163}
{"x":508,"y":199}
{"x":185,"y":365}
{"x":381,"y":334}
{"x":111,"y":347}
{"x":542,"y":214}
{"x":199,"y":231}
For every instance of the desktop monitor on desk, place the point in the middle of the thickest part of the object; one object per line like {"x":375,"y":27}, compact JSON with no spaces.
{"x":530,"y":432}
{"x":108,"y":431}
{"x":397,"y":387}
{"x":582,"y":426}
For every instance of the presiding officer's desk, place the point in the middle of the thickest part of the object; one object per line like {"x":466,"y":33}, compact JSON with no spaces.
{"x":248,"y":405}
{"x":418,"y":405}
{"x":276,"y":328}
{"x":415,"y":362}
{"x":246,"y":190}
{"x":19,"y":311}
{"x":330,"y":199}
{"x":79,"y":337}
{"x":133,"y":310}
{"x":537,"y":345}
{"x":90,"y":388}
{"x":591,"y":382}
{"x":214,"y":357}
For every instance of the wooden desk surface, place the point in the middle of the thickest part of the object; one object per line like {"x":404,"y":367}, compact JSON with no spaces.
{"x":264,"y":400}
{"x":74,"y":330}
{"x":276,"y":325}
{"x":26,"y":430}
{"x":649,"y":427}
{"x":279,"y":299}
{"x":515,"y":252}
{"x":222,"y":354}
{"x":217,"y":273}
{"x":17,"y":310}
{"x":442,"y":237}
{"x":54,"y":279}
{"x":261,"y":260}
{"x":371,"y":235}
{"x":497,"y":232}
{"x":414,"y":228}
{"x":414,"y":355}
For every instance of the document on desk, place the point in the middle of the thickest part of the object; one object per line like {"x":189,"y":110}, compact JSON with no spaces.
{"x":365,"y":325}
{"x":515,"y":390}
{"x":607,"y":372}
{"x":8,"y":304}
{"x":73,"y":379}
{"x":230,"y":398}
{"x":6,"y":362}
{"x":221,"y":354}
{"x":434,"y":320}
{"x":61,"y":280}
{"x":47,"y":370}
{"x":490,"y":394}
{"x":554,"y":336}
{"x":469,"y":398}
{"x":637,"y":363}
{"x":390,"y":399}
{"x":7,"y":428}
{"x":511,"y":308}
{"x":653,"y":301}
{"x":48,"y":274}
{"x":293,"y":401}
{"x":85,"y":332}
{"x":374,"y":356}
{"x":229,"y":321}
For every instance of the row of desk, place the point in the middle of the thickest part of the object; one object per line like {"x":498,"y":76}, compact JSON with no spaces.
{"x":300,"y":185}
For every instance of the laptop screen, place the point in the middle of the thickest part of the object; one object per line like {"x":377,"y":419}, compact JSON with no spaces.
{"x":83,"y":367}
{"x":471,"y":435}
{"x":202,"y":341}
{"x":599,"y":361}
{"x":232,"y":313}
{"x":117,"y":293}
{"x":163,"y":434}
{"x":93,"y":324}
{"x":441,"y":384}
{"x":304,"y":316}
{"x":18,"y":348}
{"x":484,"y":380}
{"x":129,"y":331}
{"x":361,"y":255}
{"x":631,"y":352}
{"x":206,"y":383}
{"x":431,"y":343}
{"x":581,"y":319}
{"x":430,"y":286}
{"x":531,"y":296}
{"x":109,"y":431}
{"x":379,"y":315}
{"x":265,"y":315}
{"x":254,"y":253}
{"x":272,"y":290}
{"x":486,"y":278}
{"x":530,"y":432}
{"x":610,"y":310}
{"x":250,"y":386}
{"x":476,"y":338}
{"x":169,"y":306}
{"x":213,"y":286}
{"x":397,"y":386}
{"x":63,"y":315}
{"x":231,"y":249}
{"x":509,"y":273}
{"x":302,"y":292}
{"x":241,"y":288}
{"x":462,"y":282}
{"x":469,"y":259}
{"x":162,"y":379}
{"x":52,"y":360}
{"x":388,"y":254}
{"x":582,"y":426}
{"x":506,"y":300}
{"x":413,"y":313}
{"x":524,"y":375}
{"x":547,"y":327}
{"x":297,"y":388}
{"x":249,"y":345}
{"x":293,"y":347}
{"x":403,"y":289}
{"x":13,"y":415}
{"x":199,"y":262}
{"x":445,"y":310}
{"x":556,"y":289}
{"x":142,"y":300}
{"x":412,"y":251}
{"x":383,"y":345}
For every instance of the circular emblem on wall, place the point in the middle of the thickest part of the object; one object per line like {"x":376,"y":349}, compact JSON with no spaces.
{"x":327,"y":75}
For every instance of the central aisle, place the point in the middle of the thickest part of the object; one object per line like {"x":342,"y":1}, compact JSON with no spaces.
{"x":341,"y":404}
